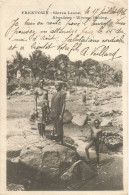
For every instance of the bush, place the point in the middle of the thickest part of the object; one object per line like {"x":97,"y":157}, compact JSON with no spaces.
{"x":14,"y":81}
{"x":11,"y":88}
{"x":26,"y":83}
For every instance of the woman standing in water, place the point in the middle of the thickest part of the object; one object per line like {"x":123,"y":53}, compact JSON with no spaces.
{"x":42,"y":107}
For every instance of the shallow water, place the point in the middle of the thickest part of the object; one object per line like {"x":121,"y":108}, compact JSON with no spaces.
{"x":110,"y":173}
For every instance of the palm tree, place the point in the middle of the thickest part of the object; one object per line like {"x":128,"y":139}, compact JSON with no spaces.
{"x":33,"y":63}
{"x":19,"y":63}
{"x":38,"y":63}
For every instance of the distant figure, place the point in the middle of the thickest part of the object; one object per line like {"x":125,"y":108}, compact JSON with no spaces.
{"x":84,"y":97}
{"x":57,"y":110}
{"x":18,"y":74}
{"x":95,"y":132}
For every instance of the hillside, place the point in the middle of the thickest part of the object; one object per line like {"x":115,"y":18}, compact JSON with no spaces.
{"x":116,"y":64}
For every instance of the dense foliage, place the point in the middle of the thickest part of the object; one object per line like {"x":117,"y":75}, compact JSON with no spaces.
{"x":38,"y":66}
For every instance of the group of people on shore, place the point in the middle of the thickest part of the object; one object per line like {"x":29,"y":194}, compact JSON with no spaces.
{"x":56,"y":113}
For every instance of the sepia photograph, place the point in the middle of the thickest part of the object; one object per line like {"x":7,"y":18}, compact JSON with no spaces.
{"x":65,"y":127}
{"x":64,"y":97}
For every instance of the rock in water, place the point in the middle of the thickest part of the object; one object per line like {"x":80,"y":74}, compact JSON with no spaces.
{"x":16,"y":143}
{"x":106,"y":114}
{"x":79,"y":172}
{"x":15,"y":187}
{"x":14,"y":146}
{"x":111,"y":112}
{"x":106,"y":123}
{"x":51,"y":160}
{"x":112,"y":139}
{"x":79,"y":119}
{"x":45,"y":161}
{"x":67,"y":117}
{"x":33,"y":115}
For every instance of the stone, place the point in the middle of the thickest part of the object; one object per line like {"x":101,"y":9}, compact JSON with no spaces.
{"x":90,"y":113}
{"x":97,"y":102}
{"x":50,"y":159}
{"x":32,"y":139}
{"x":70,"y":143}
{"x":106,"y":114}
{"x":32,"y":157}
{"x":16,"y":143}
{"x":33,"y":115}
{"x":67,"y":117}
{"x":29,"y":92}
{"x":112,"y":139}
{"x":117,"y":121}
{"x":14,"y":146}
{"x":79,"y":172}
{"x":72,"y":90}
{"x":19,"y":91}
{"x":117,"y":112}
{"x":68,"y":140}
{"x":15,"y":187}
{"x":79,"y":119}
{"x":111,"y":113}
{"x":106,"y":123}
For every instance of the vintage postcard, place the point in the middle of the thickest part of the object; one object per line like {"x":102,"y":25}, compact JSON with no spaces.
{"x":63,"y":97}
